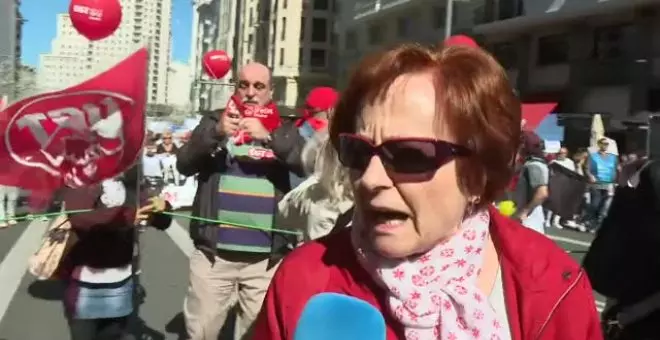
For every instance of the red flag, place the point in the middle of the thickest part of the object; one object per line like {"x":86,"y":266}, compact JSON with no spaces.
{"x":78,"y":136}
{"x":534,"y":114}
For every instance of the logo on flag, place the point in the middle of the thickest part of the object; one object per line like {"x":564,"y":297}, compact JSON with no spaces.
{"x":78,"y":136}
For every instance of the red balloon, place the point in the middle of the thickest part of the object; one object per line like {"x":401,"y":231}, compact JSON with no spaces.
{"x":95,"y":19}
{"x":216,"y":63}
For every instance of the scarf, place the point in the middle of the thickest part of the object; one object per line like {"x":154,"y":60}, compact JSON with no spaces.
{"x":435,"y":296}
{"x":317,"y":124}
{"x":268,"y":115}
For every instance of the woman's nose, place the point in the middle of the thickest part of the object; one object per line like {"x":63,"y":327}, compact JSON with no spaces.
{"x":375,"y":176}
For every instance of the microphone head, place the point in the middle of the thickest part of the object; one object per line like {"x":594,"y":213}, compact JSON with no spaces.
{"x":331,"y":316}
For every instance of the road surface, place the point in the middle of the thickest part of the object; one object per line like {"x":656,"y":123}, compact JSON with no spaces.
{"x":31,"y":310}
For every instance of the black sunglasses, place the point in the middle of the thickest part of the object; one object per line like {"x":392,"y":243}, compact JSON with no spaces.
{"x":405,"y":156}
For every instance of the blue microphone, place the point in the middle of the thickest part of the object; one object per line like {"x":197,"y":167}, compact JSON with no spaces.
{"x":331,"y":316}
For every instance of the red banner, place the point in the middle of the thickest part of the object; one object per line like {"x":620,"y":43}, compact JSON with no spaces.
{"x":78,"y":136}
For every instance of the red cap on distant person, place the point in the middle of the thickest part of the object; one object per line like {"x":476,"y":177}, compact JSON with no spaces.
{"x":322,"y":98}
{"x":531,"y":140}
{"x":460,"y":40}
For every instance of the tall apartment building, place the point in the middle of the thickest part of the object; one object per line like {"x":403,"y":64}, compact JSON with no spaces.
{"x":73,"y":58}
{"x":180,"y":80}
{"x":301,"y":47}
{"x":11,"y":23}
{"x":590,"y":56}
{"x":208,"y":23}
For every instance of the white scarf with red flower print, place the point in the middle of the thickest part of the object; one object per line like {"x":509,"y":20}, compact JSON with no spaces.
{"x":435,"y":296}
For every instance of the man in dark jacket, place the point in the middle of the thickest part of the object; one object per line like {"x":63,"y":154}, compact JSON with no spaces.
{"x":236,"y":191}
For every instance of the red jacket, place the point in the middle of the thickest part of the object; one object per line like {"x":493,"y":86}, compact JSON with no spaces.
{"x":548,"y":295}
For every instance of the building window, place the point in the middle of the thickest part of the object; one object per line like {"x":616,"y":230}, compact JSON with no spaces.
{"x":403,"y":27}
{"x":285,"y":4}
{"x":552,"y":50}
{"x":319,"y":30}
{"x":506,"y":54}
{"x":317,"y":58}
{"x":283,"y":31}
{"x":375,"y":34}
{"x":439,"y":16}
{"x":281,"y":56}
{"x":609,"y":42}
{"x":302,"y":29}
{"x":321,"y":5}
{"x":251,"y":17}
{"x":250,"y":43}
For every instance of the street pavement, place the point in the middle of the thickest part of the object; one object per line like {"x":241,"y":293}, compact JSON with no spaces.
{"x":31,"y":309}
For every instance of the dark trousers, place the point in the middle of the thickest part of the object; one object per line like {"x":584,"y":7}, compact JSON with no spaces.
{"x":599,"y":205}
{"x":99,"y":329}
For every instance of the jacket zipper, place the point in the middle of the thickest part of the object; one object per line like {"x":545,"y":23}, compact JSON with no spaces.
{"x":556,"y":305}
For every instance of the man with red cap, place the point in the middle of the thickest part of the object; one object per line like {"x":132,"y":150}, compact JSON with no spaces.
{"x":319,"y":107}
{"x":531,"y":190}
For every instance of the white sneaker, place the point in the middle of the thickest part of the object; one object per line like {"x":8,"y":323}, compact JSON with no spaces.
{"x":13,"y":222}
{"x":3,"y":225}
{"x":574,"y":225}
{"x":44,"y":219}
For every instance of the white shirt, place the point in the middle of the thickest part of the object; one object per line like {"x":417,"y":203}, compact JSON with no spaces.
{"x":152,"y":166}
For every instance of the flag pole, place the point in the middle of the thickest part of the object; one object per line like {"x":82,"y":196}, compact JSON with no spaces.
{"x":137,"y":288}
{"x":449,"y":18}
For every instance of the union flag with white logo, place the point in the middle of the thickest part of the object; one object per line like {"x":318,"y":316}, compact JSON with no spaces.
{"x":78,"y":136}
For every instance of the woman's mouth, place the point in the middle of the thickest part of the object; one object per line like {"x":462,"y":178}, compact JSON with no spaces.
{"x":383,"y":220}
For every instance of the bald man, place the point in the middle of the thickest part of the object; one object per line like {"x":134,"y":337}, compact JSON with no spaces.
{"x":233,"y":263}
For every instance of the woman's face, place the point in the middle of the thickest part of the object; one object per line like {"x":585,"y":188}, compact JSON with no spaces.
{"x":399,"y":219}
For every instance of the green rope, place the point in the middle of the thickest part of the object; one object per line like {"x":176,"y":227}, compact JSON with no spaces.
{"x":30,"y":217}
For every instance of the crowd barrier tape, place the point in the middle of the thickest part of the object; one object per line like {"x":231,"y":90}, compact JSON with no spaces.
{"x":169,"y":213}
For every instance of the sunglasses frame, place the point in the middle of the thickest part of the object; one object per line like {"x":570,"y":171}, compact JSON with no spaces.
{"x":455,"y":150}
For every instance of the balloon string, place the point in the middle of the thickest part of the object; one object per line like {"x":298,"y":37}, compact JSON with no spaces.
{"x":173,"y":214}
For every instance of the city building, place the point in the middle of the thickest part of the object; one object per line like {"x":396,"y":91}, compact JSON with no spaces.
{"x":73,"y":58}
{"x":363,"y":26}
{"x":211,"y":18}
{"x":590,"y":56}
{"x":180,"y":80}
{"x":11,"y":24}
{"x":301,"y":47}
{"x":27,"y":81}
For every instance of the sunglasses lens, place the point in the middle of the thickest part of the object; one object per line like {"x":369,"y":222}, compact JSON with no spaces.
{"x":399,"y":156}
{"x":354,"y":153}
{"x":410,"y":156}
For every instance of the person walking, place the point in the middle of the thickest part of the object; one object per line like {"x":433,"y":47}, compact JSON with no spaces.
{"x":602,"y":173}
{"x":552,"y":219}
{"x":532,"y":187}
{"x":8,"y":202}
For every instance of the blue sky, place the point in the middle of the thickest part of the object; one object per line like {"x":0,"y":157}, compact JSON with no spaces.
{"x":39,"y":30}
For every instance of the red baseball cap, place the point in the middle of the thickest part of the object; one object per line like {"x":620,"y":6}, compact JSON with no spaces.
{"x":322,"y":98}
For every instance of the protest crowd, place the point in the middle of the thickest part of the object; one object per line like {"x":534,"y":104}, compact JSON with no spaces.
{"x":403,"y":225}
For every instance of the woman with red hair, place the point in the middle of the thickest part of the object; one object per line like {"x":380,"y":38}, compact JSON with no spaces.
{"x":429,"y":136}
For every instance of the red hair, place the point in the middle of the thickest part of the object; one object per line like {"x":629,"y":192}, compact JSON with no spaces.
{"x":474,"y":96}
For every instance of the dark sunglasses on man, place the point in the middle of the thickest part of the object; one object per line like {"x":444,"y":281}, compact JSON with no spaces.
{"x":400,"y":156}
